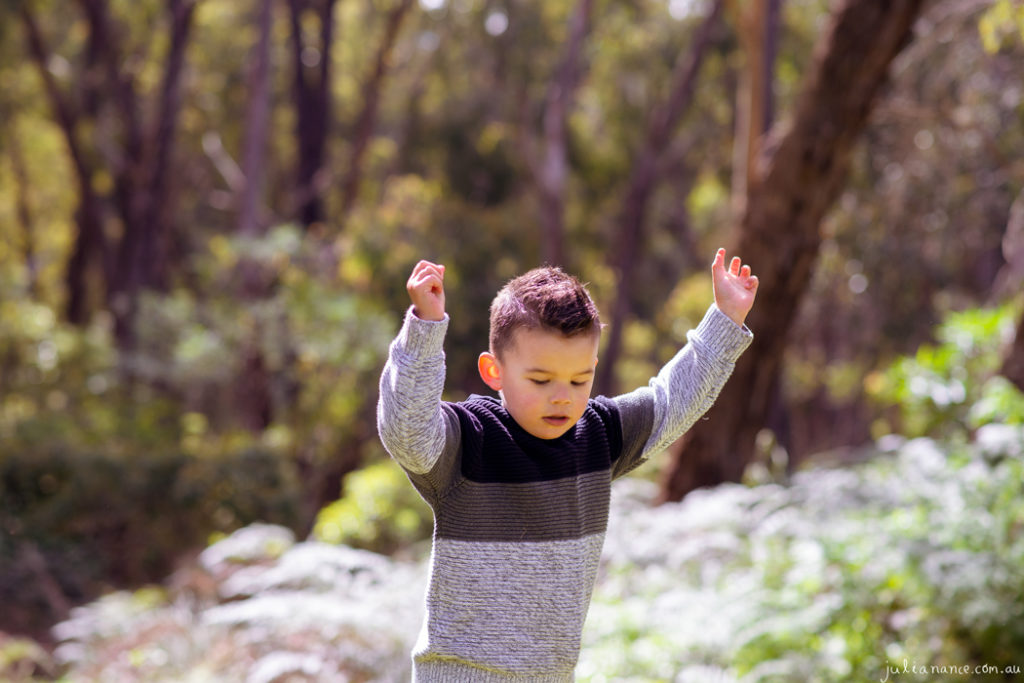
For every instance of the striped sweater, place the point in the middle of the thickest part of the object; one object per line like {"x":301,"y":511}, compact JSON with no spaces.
{"x":519,"y":521}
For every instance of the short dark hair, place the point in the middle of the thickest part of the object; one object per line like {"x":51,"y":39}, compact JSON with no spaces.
{"x":543,"y":298}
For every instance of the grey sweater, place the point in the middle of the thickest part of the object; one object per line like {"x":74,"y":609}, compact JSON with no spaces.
{"x":519,"y":521}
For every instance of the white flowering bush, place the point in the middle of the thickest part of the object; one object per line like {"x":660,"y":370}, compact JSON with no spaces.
{"x":256,"y":608}
{"x":909,"y":566}
{"x":913,"y":559}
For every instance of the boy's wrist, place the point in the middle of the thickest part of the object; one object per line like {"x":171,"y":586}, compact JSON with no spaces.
{"x":428,"y":315}
{"x":724,"y":334}
{"x":419,"y":337}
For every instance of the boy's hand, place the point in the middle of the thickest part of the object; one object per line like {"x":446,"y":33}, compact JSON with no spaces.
{"x":734,"y":288}
{"x":426,"y":289}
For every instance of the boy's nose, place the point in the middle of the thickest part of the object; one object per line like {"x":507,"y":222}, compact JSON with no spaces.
{"x":561,"y":398}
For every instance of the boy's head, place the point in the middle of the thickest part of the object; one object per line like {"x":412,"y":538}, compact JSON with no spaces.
{"x":544,"y":298}
{"x":544,"y":335}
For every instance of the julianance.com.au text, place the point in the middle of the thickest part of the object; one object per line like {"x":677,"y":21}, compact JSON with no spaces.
{"x":912,"y":669}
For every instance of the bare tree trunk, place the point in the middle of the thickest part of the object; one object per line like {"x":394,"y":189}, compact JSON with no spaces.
{"x":257,"y":119}
{"x":105,"y":82}
{"x":143,"y":177}
{"x":642,"y":181}
{"x":551,"y":172}
{"x":322,"y":479}
{"x":770,"y":50}
{"x":779,"y":231}
{"x":312,"y":105}
{"x":367,"y":120}
{"x":156,"y":250}
{"x":253,"y":405}
{"x":90,"y":251}
{"x":138,"y":162}
{"x":756,"y":26}
{"x":1010,"y":280}
{"x":1013,"y":364}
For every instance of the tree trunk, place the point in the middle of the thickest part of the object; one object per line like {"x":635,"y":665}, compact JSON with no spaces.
{"x":143,"y":177}
{"x":156,"y":250}
{"x":312,"y":106}
{"x":757,"y":27}
{"x":642,"y":181}
{"x":1010,"y":280}
{"x":257,"y":119}
{"x":779,"y":230}
{"x":139,"y":163}
{"x":367,"y":120}
{"x":1013,"y":364}
{"x":551,"y":172}
{"x":89,"y":252}
{"x":322,"y":479}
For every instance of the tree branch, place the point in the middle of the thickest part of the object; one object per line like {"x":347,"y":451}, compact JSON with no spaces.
{"x":90,"y":243}
{"x":791,"y":189}
{"x":551,"y":172}
{"x":367,"y":120}
{"x":642,"y":180}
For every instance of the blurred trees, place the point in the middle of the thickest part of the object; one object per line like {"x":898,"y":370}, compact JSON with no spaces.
{"x":120,"y":143}
{"x":786,"y":201}
{"x":208,"y":208}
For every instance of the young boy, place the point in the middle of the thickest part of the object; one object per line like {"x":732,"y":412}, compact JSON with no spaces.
{"x":520,"y":485}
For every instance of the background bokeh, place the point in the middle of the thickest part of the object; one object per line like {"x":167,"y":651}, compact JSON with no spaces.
{"x":208,"y":211}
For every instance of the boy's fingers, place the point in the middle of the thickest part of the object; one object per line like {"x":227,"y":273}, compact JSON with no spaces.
{"x":429,"y":267}
{"x":424,"y":272}
{"x":745,"y":272}
{"x":719,"y":259}
{"x":734,"y":265}
{"x":427,"y":283}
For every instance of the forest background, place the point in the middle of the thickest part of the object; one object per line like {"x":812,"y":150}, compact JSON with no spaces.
{"x":209,"y":209}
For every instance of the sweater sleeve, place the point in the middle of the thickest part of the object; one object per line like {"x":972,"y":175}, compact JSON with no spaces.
{"x":656,"y":415}
{"x":410,"y":419}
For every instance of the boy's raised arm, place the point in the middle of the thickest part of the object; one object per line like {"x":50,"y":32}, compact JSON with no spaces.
{"x":409,"y":416}
{"x":688,"y":384}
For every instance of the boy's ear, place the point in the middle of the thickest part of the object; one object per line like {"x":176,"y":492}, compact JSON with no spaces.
{"x":490,"y":373}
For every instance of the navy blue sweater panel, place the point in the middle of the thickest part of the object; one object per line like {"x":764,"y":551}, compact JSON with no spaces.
{"x":495,"y":449}
{"x":516,"y":487}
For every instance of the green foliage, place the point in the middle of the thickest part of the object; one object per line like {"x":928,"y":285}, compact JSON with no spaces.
{"x":1001,"y":23}
{"x":91,"y":518}
{"x":951,"y":388}
{"x":928,"y":571}
{"x":916,"y":555}
{"x":314,"y":337}
{"x":379,"y":511}
{"x":62,"y":382}
{"x":88,"y":431}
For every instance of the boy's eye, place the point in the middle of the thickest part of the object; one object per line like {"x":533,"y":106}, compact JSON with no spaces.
{"x":539,"y":381}
{"x":578,"y":383}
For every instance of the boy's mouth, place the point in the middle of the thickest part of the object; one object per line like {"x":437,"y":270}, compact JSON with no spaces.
{"x":556,"y":420}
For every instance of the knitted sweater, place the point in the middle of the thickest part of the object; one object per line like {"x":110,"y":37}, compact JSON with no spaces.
{"x":519,"y":521}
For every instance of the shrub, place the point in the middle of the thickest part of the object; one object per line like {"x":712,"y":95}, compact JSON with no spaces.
{"x":917,"y":555}
{"x":74,"y":522}
{"x":379,"y":511}
{"x":951,"y":388}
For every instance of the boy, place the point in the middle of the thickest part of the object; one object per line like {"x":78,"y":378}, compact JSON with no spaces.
{"x":520,"y":486}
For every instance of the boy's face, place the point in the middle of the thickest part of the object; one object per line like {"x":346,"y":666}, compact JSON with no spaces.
{"x":544,"y":379}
